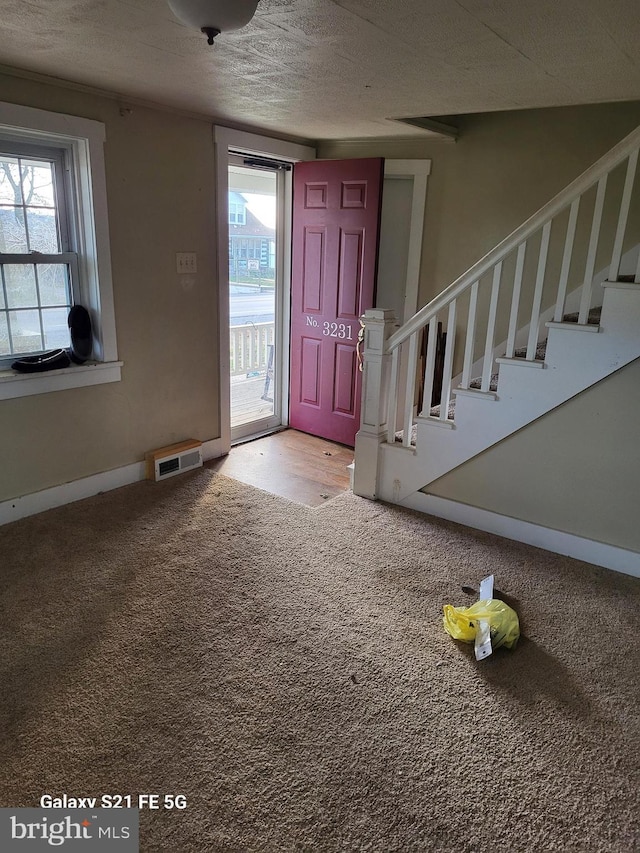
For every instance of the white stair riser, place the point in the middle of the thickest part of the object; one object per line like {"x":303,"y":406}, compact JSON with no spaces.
{"x":573,"y":363}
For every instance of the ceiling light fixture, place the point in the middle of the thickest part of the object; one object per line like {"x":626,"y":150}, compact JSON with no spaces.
{"x":213,"y":17}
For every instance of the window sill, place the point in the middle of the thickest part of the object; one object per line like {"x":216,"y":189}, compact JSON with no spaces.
{"x":14,"y":385}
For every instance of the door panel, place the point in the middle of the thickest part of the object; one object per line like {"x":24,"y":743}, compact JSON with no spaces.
{"x":349,"y":280}
{"x":310,"y":372}
{"x":345,"y":364}
{"x":314,"y":242}
{"x":336,"y":221}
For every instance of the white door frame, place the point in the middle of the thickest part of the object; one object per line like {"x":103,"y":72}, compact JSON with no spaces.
{"x":418,"y":171}
{"x":226,"y":141}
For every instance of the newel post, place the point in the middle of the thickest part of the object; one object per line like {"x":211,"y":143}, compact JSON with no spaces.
{"x":379,"y":325}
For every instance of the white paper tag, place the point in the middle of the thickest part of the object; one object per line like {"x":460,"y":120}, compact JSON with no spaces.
{"x":486,"y":588}
{"x":483,"y":646}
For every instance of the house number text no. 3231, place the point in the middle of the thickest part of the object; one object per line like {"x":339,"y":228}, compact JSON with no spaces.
{"x":333,"y":330}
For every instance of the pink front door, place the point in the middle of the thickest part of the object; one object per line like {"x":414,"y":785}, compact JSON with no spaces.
{"x":336,"y":220}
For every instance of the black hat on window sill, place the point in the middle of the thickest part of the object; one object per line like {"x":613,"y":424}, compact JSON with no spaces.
{"x":79,"y":323}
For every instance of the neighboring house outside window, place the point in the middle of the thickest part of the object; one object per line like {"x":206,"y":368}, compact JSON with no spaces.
{"x":251,"y":245}
{"x":54,"y":246}
{"x":237,"y":213}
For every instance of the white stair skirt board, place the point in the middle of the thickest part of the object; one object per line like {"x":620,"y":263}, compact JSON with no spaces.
{"x":572,"y":364}
{"x":557,"y":541}
{"x":351,"y":468}
{"x":31,"y":504}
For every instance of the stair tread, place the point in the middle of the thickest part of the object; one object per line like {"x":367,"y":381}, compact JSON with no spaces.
{"x":592,"y":320}
{"x":520,"y":352}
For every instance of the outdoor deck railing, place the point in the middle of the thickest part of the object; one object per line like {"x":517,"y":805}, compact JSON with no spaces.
{"x":250,"y":347}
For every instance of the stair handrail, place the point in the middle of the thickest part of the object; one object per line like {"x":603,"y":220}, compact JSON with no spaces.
{"x":547,"y":212}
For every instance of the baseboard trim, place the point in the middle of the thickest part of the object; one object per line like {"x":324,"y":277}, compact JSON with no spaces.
{"x":557,"y":541}
{"x":31,"y":504}
{"x":213,"y":449}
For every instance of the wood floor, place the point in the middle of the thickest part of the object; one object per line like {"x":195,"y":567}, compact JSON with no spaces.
{"x":300,"y":467}
{"x":249,"y":402}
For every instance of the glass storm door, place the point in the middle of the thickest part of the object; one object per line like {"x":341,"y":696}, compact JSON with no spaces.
{"x":254,"y":297}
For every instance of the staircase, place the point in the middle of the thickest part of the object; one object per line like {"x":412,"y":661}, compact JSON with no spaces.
{"x":521,"y":352}
{"x":560,"y":295}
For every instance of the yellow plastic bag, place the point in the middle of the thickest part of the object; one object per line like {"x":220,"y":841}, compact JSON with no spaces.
{"x":504,"y":626}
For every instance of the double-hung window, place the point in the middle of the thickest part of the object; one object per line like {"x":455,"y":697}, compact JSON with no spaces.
{"x":54,"y":246}
{"x":38,"y":269}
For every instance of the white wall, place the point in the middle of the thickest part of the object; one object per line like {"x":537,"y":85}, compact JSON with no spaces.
{"x":160,"y":186}
{"x":502,"y":168}
{"x":577,"y":469}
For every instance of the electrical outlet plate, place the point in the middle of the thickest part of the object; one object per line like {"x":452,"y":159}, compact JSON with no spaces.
{"x":186,"y":263}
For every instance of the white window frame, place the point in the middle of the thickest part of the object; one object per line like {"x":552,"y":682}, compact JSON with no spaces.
{"x":83,"y":140}
{"x":65,"y":255}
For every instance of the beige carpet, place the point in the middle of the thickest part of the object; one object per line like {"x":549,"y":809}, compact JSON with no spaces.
{"x":286,"y":669}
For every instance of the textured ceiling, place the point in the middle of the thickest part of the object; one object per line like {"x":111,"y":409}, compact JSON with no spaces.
{"x":338,"y":69}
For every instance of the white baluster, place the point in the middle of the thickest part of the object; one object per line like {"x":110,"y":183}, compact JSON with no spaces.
{"x":515,"y":300}
{"x":587,"y":287}
{"x":566,"y":261}
{"x":616,"y":257}
{"x":491,"y":328}
{"x":251,"y":359}
{"x":469,"y":344}
{"x":532,"y":343}
{"x":430,"y":365}
{"x":410,"y":389}
{"x":448,"y":362}
{"x":392,"y":411}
